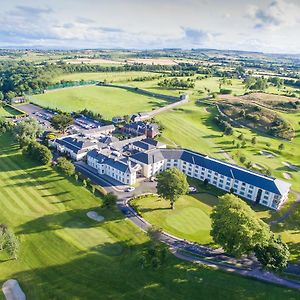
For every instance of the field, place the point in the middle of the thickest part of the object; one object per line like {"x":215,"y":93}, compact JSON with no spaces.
{"x":189,"y":220}
{"x":116,"y":77}
{"x":105,"y":100}
{"x":65,"y":255}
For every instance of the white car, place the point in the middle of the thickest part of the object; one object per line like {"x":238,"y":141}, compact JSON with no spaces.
{"x":192,"y":189}
{"x":130,"y":189}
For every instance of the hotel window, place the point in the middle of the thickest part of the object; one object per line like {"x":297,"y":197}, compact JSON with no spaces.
{"x":214,"y":182}
{"x":249,"y":196}
{"x":235,"y":186}
{"x":243,"y":183}
{"x":209,"y":171}
{"x":242,"y":188}
{"x":242,"y":193}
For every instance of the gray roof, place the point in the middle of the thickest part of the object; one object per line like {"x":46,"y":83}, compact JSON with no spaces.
{"x":75,"y":144}
{"x":229,"y":170}
{"x":121,"y":165}
{"x":142,"y":145}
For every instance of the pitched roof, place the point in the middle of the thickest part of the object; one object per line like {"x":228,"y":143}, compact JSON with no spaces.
{"x":76,"y":145}
{"x":142,"y":145}
{"x":121,"y":165}
{"x":229,"y":170}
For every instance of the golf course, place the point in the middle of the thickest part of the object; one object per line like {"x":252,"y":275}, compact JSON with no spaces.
{"x":66,"y":255}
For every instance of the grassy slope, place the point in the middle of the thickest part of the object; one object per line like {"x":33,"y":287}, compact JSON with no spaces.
{"x":189,"y":220}
{"x":105,"y":100}
{"x":109,"y":76}
{"x":64,"y":255}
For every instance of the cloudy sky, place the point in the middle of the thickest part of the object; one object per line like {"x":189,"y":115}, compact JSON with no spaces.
{"x":255,"y":25}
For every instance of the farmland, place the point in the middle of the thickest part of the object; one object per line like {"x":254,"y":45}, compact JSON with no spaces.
{"x":105,"y":100}
{"x":64,"y":255}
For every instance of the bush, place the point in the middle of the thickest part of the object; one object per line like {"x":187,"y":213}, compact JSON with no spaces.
{"x":109,"y":200}
{"x":225,"y":91}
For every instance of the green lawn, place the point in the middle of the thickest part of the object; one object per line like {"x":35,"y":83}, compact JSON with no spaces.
{"x":65,"y":255}
{"x":109,"y":76}
{"x":7,"y":111}
{"x":189,"y":220}
{"x":105,"y":100}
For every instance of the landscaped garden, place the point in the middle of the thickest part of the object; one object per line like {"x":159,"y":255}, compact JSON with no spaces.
{"x":66,"y":255}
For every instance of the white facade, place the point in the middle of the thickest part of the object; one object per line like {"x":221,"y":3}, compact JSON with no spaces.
{"x":128,"y":176}
{"x":242,"y":189}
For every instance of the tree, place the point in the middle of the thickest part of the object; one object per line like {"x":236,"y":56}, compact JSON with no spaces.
{"x":1,"y":96}
{"x":254,"y":141}
{"x":109,"y":200}
{"x":26,"y":131}
{"x":236,"y":227}
{"x":268,"y":144}
{"x":38,"y":152}
{"x":241,"y":137}
{"x":243,"y":159}
{"x":61,"y":121}
{"x":65,"y":166}
{"x":3,"y":236}
{"x":243,"y":143}
{"x":171,"y":184}
{"x":274,"y":255}
{"x":281,"y":147}
{"x":13,"y":244}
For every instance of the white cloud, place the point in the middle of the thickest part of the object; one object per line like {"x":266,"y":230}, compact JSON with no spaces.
{"x":269,"y":25}
{"x":277,"y":14}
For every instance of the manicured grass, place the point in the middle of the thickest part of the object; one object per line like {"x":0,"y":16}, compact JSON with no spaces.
{"x":65,"y":255}
{"x":105,"y":100}
{"x":189,"y":220}
{"x":8,"y":111}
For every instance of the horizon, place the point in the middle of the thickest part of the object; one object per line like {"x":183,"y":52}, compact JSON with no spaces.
{"x":268,"y":27}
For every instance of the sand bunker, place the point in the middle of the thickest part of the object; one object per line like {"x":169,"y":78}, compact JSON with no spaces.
{"x":266,"y":153}
{"x":12,"y":290}
{"x":287,"y":175}
{"x":94,"y":216}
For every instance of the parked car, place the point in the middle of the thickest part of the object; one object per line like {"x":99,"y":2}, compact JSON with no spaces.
{"x":130,"y":189}
{"x":192,"y":189}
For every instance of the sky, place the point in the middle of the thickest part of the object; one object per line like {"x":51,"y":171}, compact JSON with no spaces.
{"x":271,"y":26}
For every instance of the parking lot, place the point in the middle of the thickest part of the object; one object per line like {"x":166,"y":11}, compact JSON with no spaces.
{"x":42,"y":115}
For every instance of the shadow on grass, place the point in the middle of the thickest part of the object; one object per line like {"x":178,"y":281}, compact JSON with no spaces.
{"x":69,"y":219}
{"x":98,"y":274}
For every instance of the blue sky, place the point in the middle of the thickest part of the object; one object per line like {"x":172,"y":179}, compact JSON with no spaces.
{"x":255,"y":25}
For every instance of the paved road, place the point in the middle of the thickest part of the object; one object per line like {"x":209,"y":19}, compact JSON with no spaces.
{"x":185,"y":250}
